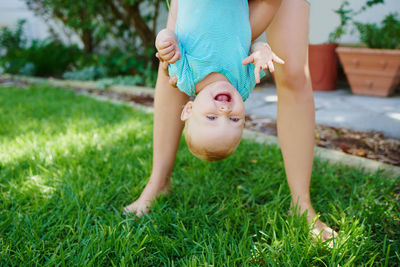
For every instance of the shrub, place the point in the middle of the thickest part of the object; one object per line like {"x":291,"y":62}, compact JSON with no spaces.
{"x":347,"y":14}
{"x":28,"y":69}
{"x":51,"y":57}
{"x":121,"y":80}
{"x":43,"y":58}
{"x":387,"y":35}
{"x":87,"y":73}
{"x":115,"y":68}
{"x":132,"y":24}
{"x":118,"y":62}
{"x":12,"y":45}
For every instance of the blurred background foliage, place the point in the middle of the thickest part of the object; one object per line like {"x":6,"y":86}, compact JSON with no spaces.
{"x":386,"y":35}
{"x":117,"y":36}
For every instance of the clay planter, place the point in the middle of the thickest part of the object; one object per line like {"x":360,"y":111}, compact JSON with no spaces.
{"x":374,"y":72}
{"x":323,"y":65}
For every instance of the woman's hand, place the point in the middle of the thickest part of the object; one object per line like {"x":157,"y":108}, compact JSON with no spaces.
{"x":262,"y":57}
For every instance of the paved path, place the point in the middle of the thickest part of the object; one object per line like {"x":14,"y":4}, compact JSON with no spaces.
{"x":338,"y":108}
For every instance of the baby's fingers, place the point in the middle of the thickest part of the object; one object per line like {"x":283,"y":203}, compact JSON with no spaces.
{"x":163,"y":45}
{"x":257,"y":70}
{"x":175,"y":58}
{"x":271,"y":66}
{"x":158,"y":56}
{"x":248,"y":60}
{"x":166,"y":50}
{"x":169,"y":56}
{"x":265,"y":66}
{"x":173,"y":81}
{"x":277,"y":59}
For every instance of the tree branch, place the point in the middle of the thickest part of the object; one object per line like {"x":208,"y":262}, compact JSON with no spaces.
{"x":156,"y":10}
{"x":136,"y":20}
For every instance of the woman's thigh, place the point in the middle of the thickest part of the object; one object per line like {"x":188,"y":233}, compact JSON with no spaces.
{"x":261,"y":13}
{"x":288,"y":37}
{"x":168,"y":103}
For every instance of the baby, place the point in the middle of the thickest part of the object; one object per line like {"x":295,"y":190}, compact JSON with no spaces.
{"x":208,"y":57}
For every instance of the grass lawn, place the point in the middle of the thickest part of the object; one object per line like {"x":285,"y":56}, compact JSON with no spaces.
{"x":68,"y":164}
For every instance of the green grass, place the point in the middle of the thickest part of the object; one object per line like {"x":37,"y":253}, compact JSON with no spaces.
{"x":68,"y":164}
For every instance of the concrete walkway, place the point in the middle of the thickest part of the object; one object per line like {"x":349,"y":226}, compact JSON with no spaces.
{"x":338,"y":108}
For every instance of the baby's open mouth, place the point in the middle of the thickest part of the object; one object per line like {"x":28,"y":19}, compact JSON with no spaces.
{"x":223,"y":97}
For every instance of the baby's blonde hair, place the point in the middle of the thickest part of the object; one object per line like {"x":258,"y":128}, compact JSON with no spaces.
{"x":206,"y":153}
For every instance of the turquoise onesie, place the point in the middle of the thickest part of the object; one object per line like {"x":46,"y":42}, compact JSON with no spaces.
{"x":214,"y":36}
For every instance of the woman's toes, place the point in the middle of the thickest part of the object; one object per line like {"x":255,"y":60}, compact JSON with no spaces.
{"x":322,"y":232}
{"x":136,"y":208}
{"x":328,"y":234}
{"x":141,"y":212}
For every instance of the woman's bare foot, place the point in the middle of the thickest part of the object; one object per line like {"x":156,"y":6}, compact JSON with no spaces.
{"x":318,"y":229}
{"x":321,"y":231}
{"x":150,"y":193}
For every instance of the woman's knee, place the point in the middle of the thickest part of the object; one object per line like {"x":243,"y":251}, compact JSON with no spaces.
{"x":293,"y":82}
{"x":293,"y":76}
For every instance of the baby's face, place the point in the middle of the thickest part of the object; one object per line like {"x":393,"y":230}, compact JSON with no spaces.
{"x":216,"y":117}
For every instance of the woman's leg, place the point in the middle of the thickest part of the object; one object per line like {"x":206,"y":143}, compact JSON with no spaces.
{"x":261,"y":13}
{"x":288,"y":38}
{"x":168,"y":104}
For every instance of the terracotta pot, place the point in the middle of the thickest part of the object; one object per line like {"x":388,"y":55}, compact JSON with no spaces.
{"x":374,"y":72}
{"x":323,"y":64}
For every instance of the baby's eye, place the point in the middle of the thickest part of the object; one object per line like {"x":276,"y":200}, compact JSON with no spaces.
{"x":234,"y":119}
{"x":211,"y":117}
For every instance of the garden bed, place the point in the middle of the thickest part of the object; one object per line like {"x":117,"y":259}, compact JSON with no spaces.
{"x":371,"y":145}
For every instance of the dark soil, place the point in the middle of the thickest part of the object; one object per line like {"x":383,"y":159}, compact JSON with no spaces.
{"x":371,"y":145}
{"x":143,"y":99}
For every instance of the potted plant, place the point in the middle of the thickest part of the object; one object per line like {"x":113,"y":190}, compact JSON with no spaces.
{"x":374,"y":69}
{"x":323,"y":64}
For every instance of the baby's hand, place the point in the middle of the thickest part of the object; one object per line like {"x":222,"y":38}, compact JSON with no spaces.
{"x":262,"y":57}
{"x":167,"y":46}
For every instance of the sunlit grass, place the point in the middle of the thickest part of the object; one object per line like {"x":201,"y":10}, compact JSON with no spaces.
{"x":68,"y":164}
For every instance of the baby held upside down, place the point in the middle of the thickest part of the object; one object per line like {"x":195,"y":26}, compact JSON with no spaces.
{"x":208,"y":57}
